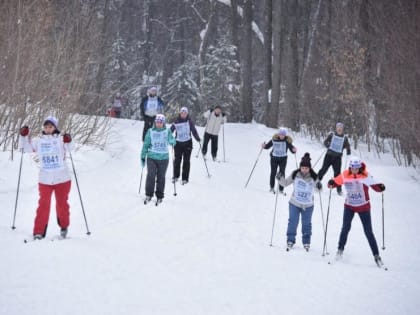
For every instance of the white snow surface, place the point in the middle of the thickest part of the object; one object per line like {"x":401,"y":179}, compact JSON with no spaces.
{"x":206,"y":250}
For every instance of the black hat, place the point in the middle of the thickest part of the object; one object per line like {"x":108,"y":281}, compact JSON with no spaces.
{"x":306,"y":160}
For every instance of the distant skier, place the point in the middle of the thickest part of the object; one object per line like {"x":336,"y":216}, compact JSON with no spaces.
{"x":155,"y":150}
{"x":336,"y":143}
{"x":54,"y":177}
{"x":215,"y":118}
{"x":117,"y":105}
{"x":357,"y":181}
{"x":150,"y":106}
{"x":301,"y":203}
{"x":183,"y":126}
{"x":280,"y":142}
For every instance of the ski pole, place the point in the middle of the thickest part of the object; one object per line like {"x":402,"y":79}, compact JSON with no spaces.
{"x":223,"y":136}
{"x":198,"y":152}
{"x":319,"y":158}
{"x":78,"y":189}
{"x":174,"y":180}
{"x":322,"y":217}
{"x":17,"y":190}
{"x":383,"y":223}
{"x":141,"y":178}
{"x":326,"y":226}
{"x":205,"y":163}
{"x":255,"y":164}
{"x":274,"y":217}
{"x":296,"y":161}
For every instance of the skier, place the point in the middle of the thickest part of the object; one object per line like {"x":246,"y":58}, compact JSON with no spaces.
{"x":215,"y":118}
{"x":304,"y":181}
{"x":335,"y":144}
{"x":280,"y":142}
{"x":357,"y":180}
{"x":54,"y":177}
{"x":150,"y":106}
{"x":155,"y":149}
{"x":183,"y":126}
{"x":117,"y":105}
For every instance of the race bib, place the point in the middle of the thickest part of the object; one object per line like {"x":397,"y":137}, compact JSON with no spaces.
{"x":279,"y":148}
{"x":355,"y":193}
{"x":303,"y":191}
{"x":183,"y":131}
{"x":49,"y":154}
{"x":159,"y":141}
{"x":152,"y":106}
{"x":337,"y":144}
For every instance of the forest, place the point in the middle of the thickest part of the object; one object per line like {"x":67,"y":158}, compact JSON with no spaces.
{"x":296,"y":63}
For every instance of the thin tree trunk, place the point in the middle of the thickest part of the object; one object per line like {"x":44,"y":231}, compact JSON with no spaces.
{"x":268,"y":55}
{"x":247,"y":64}
{"x":273,"y":112}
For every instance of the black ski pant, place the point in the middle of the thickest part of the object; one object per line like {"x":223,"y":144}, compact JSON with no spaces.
{"x":280,"y":164}
{"x":367,"y":228}
{"x":156,"y":171}
{"x":335,"y":162}
{"x":148,"y":123}
{"x":214,"y":140}
{"x":183,"y":154}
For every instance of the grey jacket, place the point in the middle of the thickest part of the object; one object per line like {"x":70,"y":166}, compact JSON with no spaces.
{"x":304,"y":186}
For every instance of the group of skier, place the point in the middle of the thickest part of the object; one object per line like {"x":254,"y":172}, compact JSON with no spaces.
{"x":305,"y":180}
{"x":54,"y":176}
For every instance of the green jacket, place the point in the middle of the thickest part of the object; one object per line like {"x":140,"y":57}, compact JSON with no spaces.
{"x":148,"y":151}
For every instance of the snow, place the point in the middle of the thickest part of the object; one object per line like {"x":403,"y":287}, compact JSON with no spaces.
{"x":206,"y":250}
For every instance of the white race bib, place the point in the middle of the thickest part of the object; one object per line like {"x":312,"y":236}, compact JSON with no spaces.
{"x":183,"y":132}
{"x":279,"y":148}
{"x":152,"y":106}
{"x":355,"y":193}
{"x":337,"y":144}
{"x":303,"y":191}
{"x":159,"y":141}
{"x":49,"y":154}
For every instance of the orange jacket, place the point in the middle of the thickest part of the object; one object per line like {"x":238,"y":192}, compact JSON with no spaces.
{"x":357,"y":187}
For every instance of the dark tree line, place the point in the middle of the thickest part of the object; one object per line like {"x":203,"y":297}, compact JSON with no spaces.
{"x":302,"y":64}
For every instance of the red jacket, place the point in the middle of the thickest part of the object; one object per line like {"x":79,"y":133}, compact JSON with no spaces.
{"x":357,"y":187}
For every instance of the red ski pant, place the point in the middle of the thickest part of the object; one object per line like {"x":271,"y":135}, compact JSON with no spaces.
{"x":61,"y":192}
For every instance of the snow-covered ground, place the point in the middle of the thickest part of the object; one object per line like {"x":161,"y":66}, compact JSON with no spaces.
{"x":206,"y":250}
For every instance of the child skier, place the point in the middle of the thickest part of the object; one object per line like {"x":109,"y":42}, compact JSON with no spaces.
{"x":304,"y":180}
{"x":280,"y":142}
{"x":155,"y":149}
{"x":183,"y":126}
{"x":54,"y":177}
{"x":356,"y":180}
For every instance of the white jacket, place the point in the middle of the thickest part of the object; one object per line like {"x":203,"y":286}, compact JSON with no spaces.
{"x":214,"y":122}
{"x":51,"y":153}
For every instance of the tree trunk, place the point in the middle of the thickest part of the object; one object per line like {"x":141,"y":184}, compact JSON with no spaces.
{"x":247,"y":64}
{"x":268,"y":55}
{"x":273,"y":111}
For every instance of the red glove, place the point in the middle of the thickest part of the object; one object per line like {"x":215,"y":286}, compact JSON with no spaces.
{"x":66,"y":138}
{"x":24,"y":131}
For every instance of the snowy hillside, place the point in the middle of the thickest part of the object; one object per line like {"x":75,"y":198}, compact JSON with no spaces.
{"x":206,"y":250}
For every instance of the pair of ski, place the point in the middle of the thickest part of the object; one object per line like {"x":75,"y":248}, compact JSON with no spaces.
{"x":157,"y":202}
{"x":51,"y":239}
{"x":280,"y":192}
{"x":339,"y":258}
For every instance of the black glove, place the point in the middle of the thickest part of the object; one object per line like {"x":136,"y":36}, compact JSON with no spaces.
{"x":331,"y":183}
{"x":381,"y":187}
{"x":319,"y":185}
{"x":24,"y":131}
{"x":66,"y":138}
